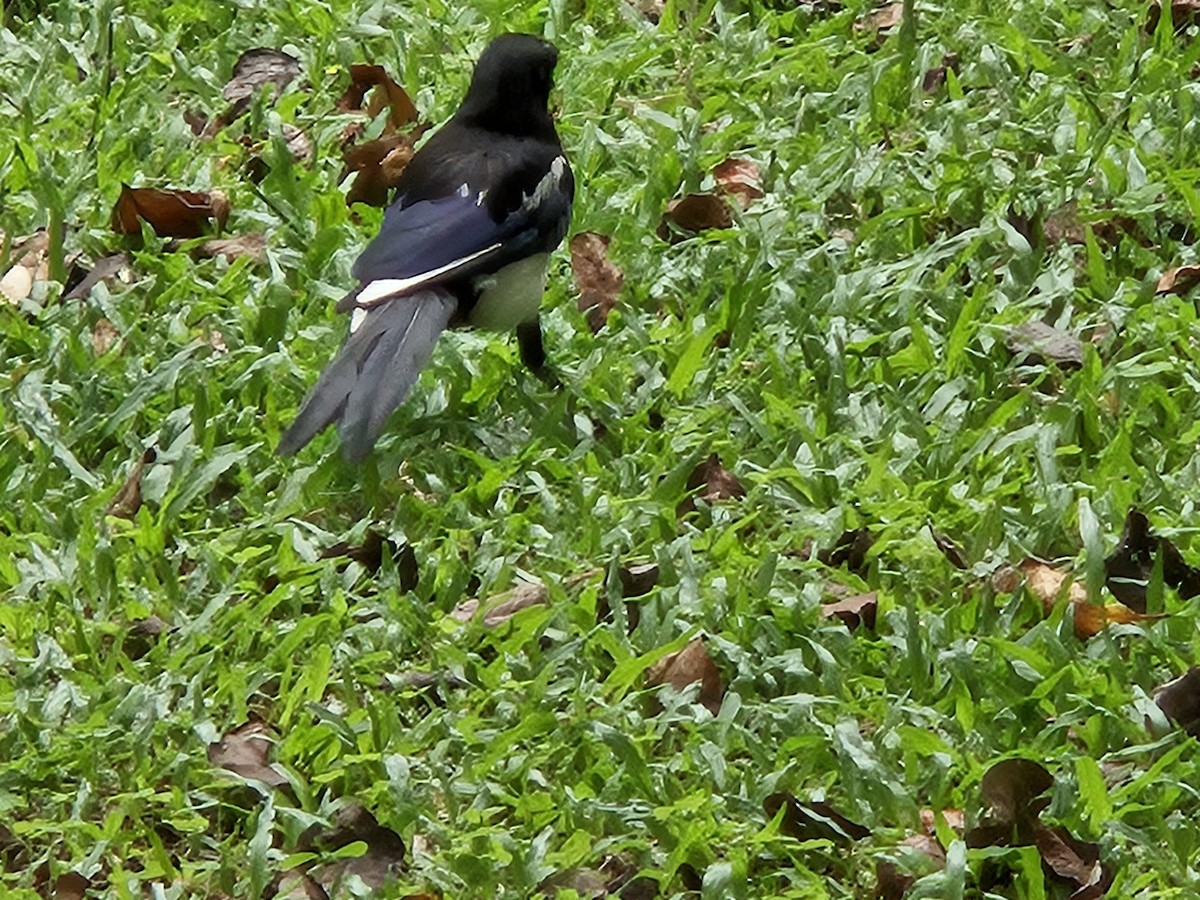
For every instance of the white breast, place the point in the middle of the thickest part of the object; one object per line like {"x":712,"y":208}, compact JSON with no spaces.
{"x":512,"y":295}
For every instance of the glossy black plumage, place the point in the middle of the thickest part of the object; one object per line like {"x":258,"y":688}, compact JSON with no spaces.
{"x":477,"y":210}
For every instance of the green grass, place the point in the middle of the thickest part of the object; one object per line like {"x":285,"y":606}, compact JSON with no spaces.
{"x":864,"y":383}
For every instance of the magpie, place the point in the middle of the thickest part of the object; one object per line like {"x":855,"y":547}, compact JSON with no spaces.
{"x":465,"y":242}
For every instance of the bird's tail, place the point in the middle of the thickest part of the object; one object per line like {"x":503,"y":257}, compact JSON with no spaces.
{"x":378,"y":365}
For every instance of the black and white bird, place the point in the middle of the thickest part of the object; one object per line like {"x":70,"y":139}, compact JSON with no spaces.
{"x":466,"y":242}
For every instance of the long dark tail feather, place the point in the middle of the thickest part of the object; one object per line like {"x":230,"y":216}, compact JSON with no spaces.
{"x":372,"y":374}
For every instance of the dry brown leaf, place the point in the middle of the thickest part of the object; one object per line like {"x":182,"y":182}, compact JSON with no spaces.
{"x":812,"y":821}
{"x":883,"y":19}
{"x":712,"y":482}
{"x":638,"y":579}
{"x":688,"y":666}
{"x":171,"y":213}
{"x":352,"y":823}
{"x":954,"y":818}
{"x":106,"y":268}
{"x":363,"y":77}
{"x":1074,"y":861}
{"x":502,"y":607}
{"x":596,"y":277}
{"x":1040,"y":343}
{"x":694,"y":213}
{"x":377,"y":166}
{"x":71,"y":886}
{"x":950,"y":550}
{"x":1092,"y":618}
{"x":104,"y":335}
{"x":1184,"y":13}
{"x":255,"y":69}
{"x":245,"y":751}
{"x":1046,"y":583}
{"x":1180,"y":701}
{"x":936,"y":77}
{"x":1013,"y":788}
{"x":252,"y":246}
{"x":740,"y":179}
{"x":850,"y":549}
{"x":16,"y":284}
{"x":853,"y":611}
{"x":128,"y":500}
{"x":1179,"y":280}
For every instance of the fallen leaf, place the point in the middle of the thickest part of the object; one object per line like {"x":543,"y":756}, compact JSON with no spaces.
{"x":581,"y":881}
{"x":106,"y":268}
{"x":1041,"y":343}
{"x":251,"y":246}
{"x":739,"y":178}
{"x":885,"y":18}
{"x":710,"y":481}
{"x":363,"y":77}
{"x":853,"y":611}
{"x":849,"y":550}
{"x":104,"y":335}
{"x":1073,"y":861}
{"x":688,"y":666}
{"x":936,"y":77}
{"x":1092,"y":618}
{"x":1046,"y":583}
{"x":171,"y":213}
{"x":1179,"y":280}
{"x":1013,"y":788}
{"x":953,"y":817}
{"x":638,"y":579}
{"x":1180,"y":701}
{"x":142,"y":635}
{"x":1184,"y":13}
{"x":253,"y":70}
{"x":596,"y":277}
{"x":245,"y":751}
{"x":1130,"y":566}
{"x":370,"y":555}
{"x":949,"y":549}
{"x":812,"y":821}
{"x":377,"y":166}
{"x":16,"y":284}
{"x":354,"y":823}
{"x":694,"y":213}
{"x":71,"y":886}
{"x":128,"y":499}
{"x":502,"y":607}
{"x":1065,"y":225}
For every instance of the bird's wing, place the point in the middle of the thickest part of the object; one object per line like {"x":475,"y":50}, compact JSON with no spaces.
{"x":508,"y":203}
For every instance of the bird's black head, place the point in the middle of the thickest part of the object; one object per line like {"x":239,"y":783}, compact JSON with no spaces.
{"x":510,"y":89}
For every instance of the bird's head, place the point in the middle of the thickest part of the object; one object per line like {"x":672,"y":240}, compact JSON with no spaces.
{"x":510,"y":89}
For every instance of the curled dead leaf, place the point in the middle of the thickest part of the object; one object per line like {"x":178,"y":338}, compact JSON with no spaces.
{"x":377,"y":166}
{"x":712,"y":482}
{"x":171,"y":213}
{"x":245,"y":751}
{"x":115,"y":266}
{"x":950,"y":550}
{"x":860,"y":609}
{"x":850,"y":550}
{"x":812,"y":821}
{"x":364,"y":77}
{"x":71,"y":886}
{"x":1180,"y":701}
{"x":596,"y":277}
{"x":128,"y":500}
{"x":741,"y":179}
{"x":690,"y":665}
{"x":251,"y":246}
{"x":1184,"y":13}
{"x":502,"y":607}
{"x":1092,"y":618}
{"x":694,"y":213}
{"x":1047,"y":583}
{"x":936,"y":77}
{"x":1013,"y":788}
{"x":1178,"y":280}
{"x":354,"y":823}
{"x":16,"y":284}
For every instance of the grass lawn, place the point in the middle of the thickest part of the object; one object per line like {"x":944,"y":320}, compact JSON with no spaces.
{"x":946,"y":340}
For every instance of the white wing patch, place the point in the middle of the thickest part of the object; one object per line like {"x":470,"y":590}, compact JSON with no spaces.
{"x":550,"y":182}
{"x":357,"y":318}
{"x":386,"y":288}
